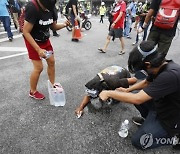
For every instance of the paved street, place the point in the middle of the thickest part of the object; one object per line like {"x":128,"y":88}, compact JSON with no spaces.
{"x":29,"y":126}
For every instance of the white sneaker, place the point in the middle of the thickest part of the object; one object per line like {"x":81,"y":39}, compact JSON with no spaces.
{"x":134,"y":43}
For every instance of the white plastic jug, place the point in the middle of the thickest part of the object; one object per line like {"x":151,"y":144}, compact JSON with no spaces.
{"x":56,"y":94}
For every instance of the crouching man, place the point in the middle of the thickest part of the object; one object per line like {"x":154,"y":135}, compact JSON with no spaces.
{"x":108,"y":79}
{"x":158,"y":100}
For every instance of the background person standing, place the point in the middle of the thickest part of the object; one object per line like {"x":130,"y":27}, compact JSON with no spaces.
{"x":72,"y":4}
{"x":4,"y":17}
{"x":117,"y":26}
{"x":130,"y":14}
{"x":15,"y":10}
{"x":102,"y":11}
{"x":162,"y":37}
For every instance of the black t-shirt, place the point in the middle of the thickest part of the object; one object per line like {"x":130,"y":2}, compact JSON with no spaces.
{"x":114,"y":77}
{"x":169,"y":32}
{"x":165,"y":91}
{"x":42,"y":20}
{"x":71,"y":3}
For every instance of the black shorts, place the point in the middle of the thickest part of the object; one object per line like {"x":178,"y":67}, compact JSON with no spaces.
{"x":118,"y":33}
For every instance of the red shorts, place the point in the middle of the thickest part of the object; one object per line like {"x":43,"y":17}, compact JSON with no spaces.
{"x":33,"y":53}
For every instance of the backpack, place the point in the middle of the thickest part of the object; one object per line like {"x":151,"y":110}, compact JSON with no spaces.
{"x":22,"y":15}
{"x":168,"y":14}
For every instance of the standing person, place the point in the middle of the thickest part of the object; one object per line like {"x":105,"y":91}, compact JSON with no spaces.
{"x":15,"y":10}
{"x":117,"y":26}
{"x":158,"y":100}
{"x":110,"y":16}
{"x":72,"y":4}
{"x":4,"y":17}
{"x":142,"y":15}
{"x":56,"y":9}
{"x":61,"y":10}
{"x":162,"y":37}
{"x":38,"y":19}
{"x":102,"y":11}
{"x":130,"y":16}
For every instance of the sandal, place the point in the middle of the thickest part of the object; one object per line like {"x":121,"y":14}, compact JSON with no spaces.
{"x":121,"y":52}
{"x":79,"y":114}
{"x":101,"y":50}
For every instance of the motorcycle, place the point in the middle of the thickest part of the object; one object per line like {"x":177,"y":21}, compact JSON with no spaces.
{"x":86,"y":23}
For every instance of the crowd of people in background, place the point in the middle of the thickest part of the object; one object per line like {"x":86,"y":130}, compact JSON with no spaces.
{"x":135,"y":12}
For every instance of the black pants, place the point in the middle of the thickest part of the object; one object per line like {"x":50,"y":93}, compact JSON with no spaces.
{"x":101,"y":20}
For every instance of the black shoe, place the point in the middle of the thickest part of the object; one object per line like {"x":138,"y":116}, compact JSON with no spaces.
{"x":75,"y":40}
{"x":10,"y":39}
{"x":128,"y":37}
{"x":56,"y":34}
{"x":138,"y":120}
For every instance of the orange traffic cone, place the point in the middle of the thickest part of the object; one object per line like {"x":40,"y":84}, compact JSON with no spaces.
{"x":77,"y":31}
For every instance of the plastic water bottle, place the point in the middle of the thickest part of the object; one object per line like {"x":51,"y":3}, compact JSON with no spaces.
{"x":59,"y":98}
{"x":123,"y":131}
{"x":56,"y":94}
{"x":48,"y":54}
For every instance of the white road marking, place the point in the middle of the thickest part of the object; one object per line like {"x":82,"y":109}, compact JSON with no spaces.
{"x":2,"y":28}
{"x":15,"y":55}
{"x":6,"y":39}
{"x":13,"y":49}
{"x":15,"y":30}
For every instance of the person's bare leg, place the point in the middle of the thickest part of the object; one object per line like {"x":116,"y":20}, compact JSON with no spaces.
{"x":51,"y":69}
{"x":34,"y":78}
{"x":82,"y":105}
{"x":122,"y":43}
{"x":73,"y":29}
{"x":107,"y":42}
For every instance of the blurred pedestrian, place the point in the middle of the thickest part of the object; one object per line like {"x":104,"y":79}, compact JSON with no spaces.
{"x":117,"y":26}
{"x":102,"y":11}
{"x":130,"y":18}
{"x":142,"y":15}
{"x":162,"y":37}
{"x":39,"y":17}
{"x":74,"y":15}
{"x":5,"y":18}
{"x":15,"y":10}
{"x":56,"y":9}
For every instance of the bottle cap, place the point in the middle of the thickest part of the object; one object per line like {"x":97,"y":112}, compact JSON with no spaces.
{"x":126,"y":121}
